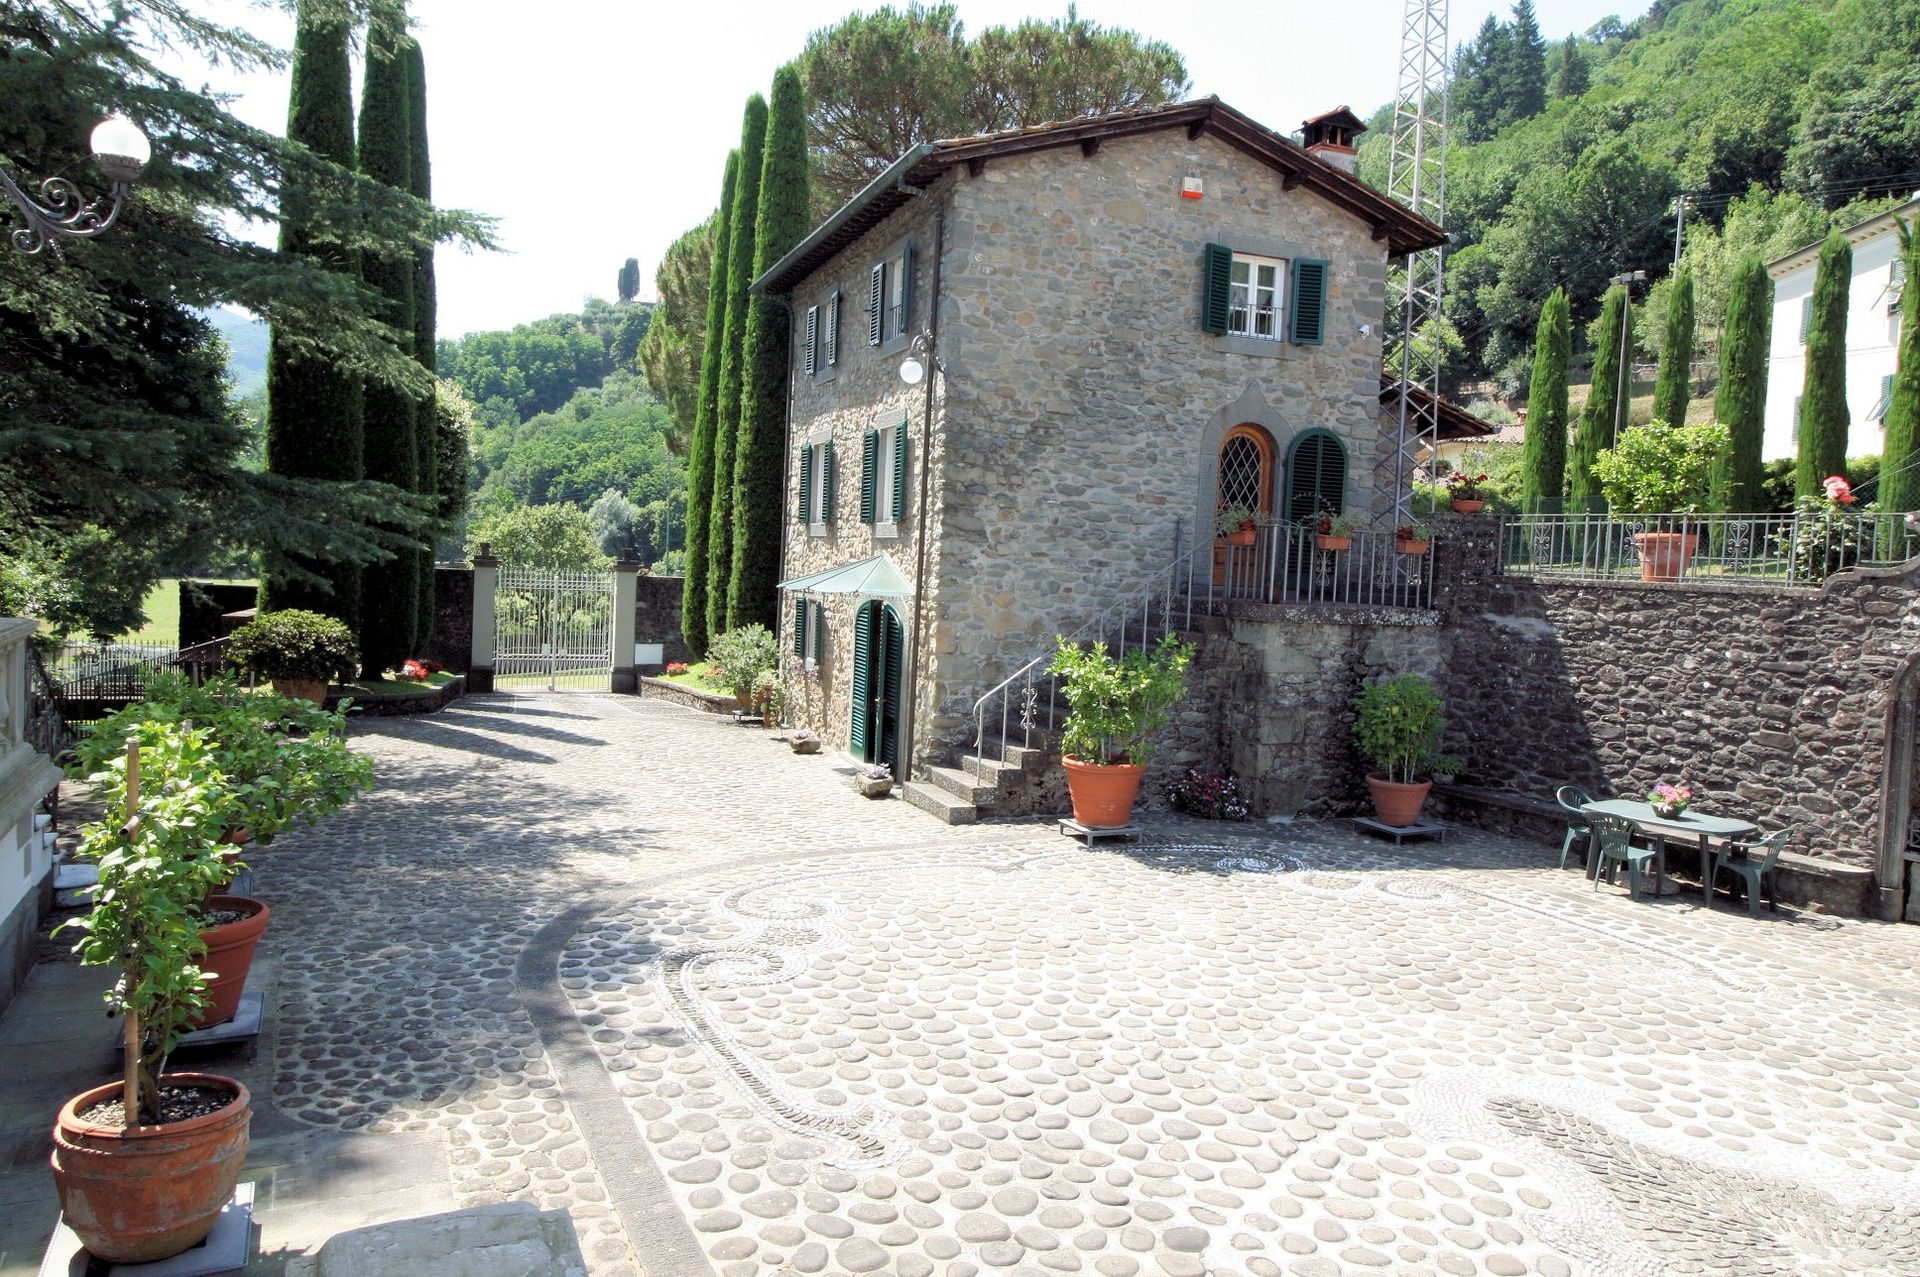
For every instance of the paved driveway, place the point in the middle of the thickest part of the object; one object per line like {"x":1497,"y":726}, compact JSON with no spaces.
{"x":622,"y":958}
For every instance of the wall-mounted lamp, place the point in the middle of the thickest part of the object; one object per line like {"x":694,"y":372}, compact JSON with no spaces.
{"x":913,"y":369}
{"x":121,"y":152}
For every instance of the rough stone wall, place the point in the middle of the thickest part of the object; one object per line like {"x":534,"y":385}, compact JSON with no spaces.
{"x":656,"y":617}
{"x":1086,"y":404}
{"x":451,"y":642}
{"x":1771,"y":704}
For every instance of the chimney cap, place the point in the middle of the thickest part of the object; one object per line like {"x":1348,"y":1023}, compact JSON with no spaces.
{"x":1341,"y":116}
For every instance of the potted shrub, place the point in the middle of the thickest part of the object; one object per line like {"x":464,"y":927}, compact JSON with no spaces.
{"x":143,"y":1165}
{"x":874,"y":780}
{"x":1398,"y":726}
{"x":1412,"y":538}
{"x":301,"y":652}
{"x":1237,"y":524}
{"x":1466,"y":493}
{"x":1114,"y":707}
{"x":741,"y":656}
{"x":1658,"y":469}
{"x":1333,"y":531}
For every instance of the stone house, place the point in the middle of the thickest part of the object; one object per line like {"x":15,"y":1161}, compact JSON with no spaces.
{"x":1027,"y":369}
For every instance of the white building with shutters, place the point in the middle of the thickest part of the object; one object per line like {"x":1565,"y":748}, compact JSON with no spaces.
{"x":1028,"y":369}
{"x":1873,"y":333}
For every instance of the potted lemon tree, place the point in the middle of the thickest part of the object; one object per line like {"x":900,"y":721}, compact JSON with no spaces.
{"x":300,"y":651}
{"x":1661,"y":469}
{"x":1398,"y":724}
{"x":1115,"y":705}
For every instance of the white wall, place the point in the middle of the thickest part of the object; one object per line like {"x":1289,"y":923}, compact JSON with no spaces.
{"x":1871,"y":341}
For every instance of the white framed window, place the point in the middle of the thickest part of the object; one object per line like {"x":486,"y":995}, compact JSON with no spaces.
{"x":888,"y":484}
{"x":1256,"y":300}
{"x":896,"y":316}
{"x":816,"y":486}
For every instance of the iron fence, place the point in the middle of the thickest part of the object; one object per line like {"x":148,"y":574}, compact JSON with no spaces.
{"x":1756,"y":550}
{"x":553,"y":630}
{"x":107,"y":671}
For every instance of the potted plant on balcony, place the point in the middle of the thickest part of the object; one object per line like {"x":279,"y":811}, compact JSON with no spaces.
{"x":1466,"y":493}
{"x":300,"y":651}
{"x":1333,"y":531}
{"x":1115,"y":705}
{"x":1412,"y":537}
{"x":143,"y":1165}
{"x":1660,"y":470}
{"x":1398,"y":724}
{"x":1237,"y":524}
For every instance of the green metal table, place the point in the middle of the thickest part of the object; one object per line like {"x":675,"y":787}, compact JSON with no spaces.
{"x":1689,"y":823}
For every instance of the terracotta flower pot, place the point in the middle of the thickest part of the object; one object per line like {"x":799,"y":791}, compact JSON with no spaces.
{"x":1328,"y":541}
{"x":1664,"y":556}
{"x":1397,"y":804}
{"x":303,"y":689}
{"x":229,"y":956}
{"x":1241,"y":536}
{"x":143,"y":1193}
{"x":1409,"y":547}
{"x":1102,"y":793}
{"x":1466,"y":506}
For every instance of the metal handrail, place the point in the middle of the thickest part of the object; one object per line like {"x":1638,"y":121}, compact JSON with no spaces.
{"x":1797,"y":550}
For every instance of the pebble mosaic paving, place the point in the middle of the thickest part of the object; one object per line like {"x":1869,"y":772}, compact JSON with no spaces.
{"x":846,"y":1039}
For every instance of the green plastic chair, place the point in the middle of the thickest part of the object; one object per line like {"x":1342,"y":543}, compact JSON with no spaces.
{"x":1612,"y":843}
{"x":1572,"y":797}
{"x":1739,"y":859}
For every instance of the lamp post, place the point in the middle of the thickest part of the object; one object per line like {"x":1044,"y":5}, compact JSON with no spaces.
{"x":1626,"y":280}
{"x":121,"y":152}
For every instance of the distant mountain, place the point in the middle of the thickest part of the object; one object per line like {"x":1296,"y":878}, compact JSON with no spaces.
{"x":246,"y":349}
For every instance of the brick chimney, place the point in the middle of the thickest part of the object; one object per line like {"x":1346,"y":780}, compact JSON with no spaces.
{"x":1332,"y":136}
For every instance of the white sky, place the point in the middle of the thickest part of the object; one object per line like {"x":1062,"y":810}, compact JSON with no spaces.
{"x":596,"y":130}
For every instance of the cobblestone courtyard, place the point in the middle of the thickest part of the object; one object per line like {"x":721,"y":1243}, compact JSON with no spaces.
{"x":615,"y":956}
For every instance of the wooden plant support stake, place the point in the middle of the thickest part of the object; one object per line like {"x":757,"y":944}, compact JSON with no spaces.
{"x":130,"y":1082}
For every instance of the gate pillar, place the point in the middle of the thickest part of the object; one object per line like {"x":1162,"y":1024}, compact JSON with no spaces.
{"x":486,"y":580}
{"x":626,"y":596}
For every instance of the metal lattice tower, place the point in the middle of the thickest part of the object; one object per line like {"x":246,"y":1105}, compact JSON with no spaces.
{"x":1417,"y":177}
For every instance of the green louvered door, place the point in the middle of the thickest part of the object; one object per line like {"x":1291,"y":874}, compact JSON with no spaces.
{"x":893,"y":652}
{"x":860,"y":733}
{"x":1316,"y":476}
{"x":879,"y":653}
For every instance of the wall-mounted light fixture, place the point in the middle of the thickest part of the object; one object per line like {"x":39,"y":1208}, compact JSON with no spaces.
{"x":120,"y":151}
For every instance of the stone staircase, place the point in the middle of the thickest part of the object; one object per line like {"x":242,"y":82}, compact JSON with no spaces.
{"x":1027,"y":781}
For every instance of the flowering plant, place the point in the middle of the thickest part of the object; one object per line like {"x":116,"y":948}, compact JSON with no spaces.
{"x":1330,"y":524}
{"x":1462,"y":486}
{"x":801,"y":734}
{"x":874,"y":771}
{"x":1235,"y":518}
{"x":1415,"y":531}
{"x":1838,"y":490}
{"x":419,"y":670}
{"x":1670,"y":799}
{"x":676,"y":667}
{"x":1207,"y":795}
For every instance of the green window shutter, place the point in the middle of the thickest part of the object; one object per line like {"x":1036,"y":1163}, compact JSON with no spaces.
{"x":1217,"y":280}
{"x":1806,"y":317}
{"x":813,"y":338}
{"x":1307,"y":301}
{"x":819,"y":631}
{"x":876,"y":301}
{"x":862,"y":680}
{"x":903,"y":321}
{"x":1885,"y":402}
{"x":899,"y":510}
{"x":833,"y":329}
{"x":825,"y":480}
{"x":889,"y":752}
{"x":799,"y":627}
{"x":869,"y":473}
{"x":806,"y":483}
{"x":1316,"y":476}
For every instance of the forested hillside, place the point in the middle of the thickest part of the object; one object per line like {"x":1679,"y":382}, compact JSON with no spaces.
{"x":1773,"y":118}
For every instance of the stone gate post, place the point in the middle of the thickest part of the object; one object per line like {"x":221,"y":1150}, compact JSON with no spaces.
{"x":626,"y":586}
{"x":486,"y":579}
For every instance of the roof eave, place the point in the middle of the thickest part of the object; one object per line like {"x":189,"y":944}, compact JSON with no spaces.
{"x":890,"y":178}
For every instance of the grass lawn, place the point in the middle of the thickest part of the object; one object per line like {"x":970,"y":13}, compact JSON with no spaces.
{"x":162,"y":606}
{"x":700,"y":678}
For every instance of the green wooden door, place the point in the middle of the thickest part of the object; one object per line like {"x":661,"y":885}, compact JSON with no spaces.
{"x":879,"y":651}
{"x":1316,"y":475}
{"x":859,"y":734}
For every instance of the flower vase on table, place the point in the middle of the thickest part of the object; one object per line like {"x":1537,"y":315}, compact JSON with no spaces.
{"x":1669,"y":801}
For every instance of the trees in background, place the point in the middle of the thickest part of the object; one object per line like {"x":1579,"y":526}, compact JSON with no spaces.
{"x":759,"y":468}
{"x":1672,"y":384}
{"x":1740,"y":399}
{"x":700,"y":450}
{"x":1824,"y":418}
{"x":1499,"y":76}
{"x":1600,"y":417}
{"x":1544,"y":464}
{"x":670,"y":354}
{"x":627,"y":285}
{"x":559,"y":537}
{"x":426,"y":316}
{"x":733,"y":340}
{"x":1900,"y":468}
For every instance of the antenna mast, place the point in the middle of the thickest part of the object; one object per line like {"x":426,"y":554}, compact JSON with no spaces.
{"x":1417,"y":177}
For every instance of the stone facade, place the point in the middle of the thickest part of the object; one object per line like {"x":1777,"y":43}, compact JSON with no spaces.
{"x":656,"y":619}
{"x":1076,"y":430}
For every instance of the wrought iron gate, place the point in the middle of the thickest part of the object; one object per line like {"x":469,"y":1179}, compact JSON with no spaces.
{"x":553,"y":631}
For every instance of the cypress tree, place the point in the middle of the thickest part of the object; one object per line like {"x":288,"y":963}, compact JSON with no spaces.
{"x":1900,"y":461}
{"x":759,"y":477}
{"x":1823,"y":403}
{"x":1676,"y":356}
{"x":425,"y":325}
{"x":389,"y":590}
{"x":313,"y":408}
{"x":1740,"y":401}
{"x":1543,"y":466}
{"x":627,"y":285}
{"x":726,"y":430}
{"x":1597,"y":420}
{"x":693,"y":594}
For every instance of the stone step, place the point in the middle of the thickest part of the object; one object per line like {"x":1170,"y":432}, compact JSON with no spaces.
{"x":962,"y":783}
{"x":1006,"y":778}
{"x":942,"y":805}
{"x":1030,"y":760}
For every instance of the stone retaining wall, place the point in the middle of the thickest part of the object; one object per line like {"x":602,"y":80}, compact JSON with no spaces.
{"x":451,"y":642}
{"x":656,"y":618}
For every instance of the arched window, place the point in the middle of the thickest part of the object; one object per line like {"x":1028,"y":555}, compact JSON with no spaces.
{"x":1246,"y":470}
{"x":1316,"y":475}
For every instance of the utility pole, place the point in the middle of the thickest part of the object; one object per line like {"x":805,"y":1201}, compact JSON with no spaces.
{"x":1679,"y":226}
{"x":1626,"y":280}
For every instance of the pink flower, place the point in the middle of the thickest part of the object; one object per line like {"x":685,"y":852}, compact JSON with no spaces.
{"x":1838,"y":490}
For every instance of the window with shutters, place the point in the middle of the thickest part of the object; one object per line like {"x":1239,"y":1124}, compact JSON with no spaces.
{"x":830,"y":329}
{"x":816,"y":486}
{"x":1316,"y":475}
{"x":1255,"y":296}
{"x":1885,"y":401}
{"x":809,"y":637}
{"x":810,"y":341}
{"x":883,"y":488}
{"x":1806,"y":317}
{"x":890,"y":298}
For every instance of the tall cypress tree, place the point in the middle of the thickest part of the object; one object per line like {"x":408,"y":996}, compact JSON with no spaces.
{"x":1740,"y":401}
{"x":1670,"y":387}
{"x":1824,"y":418}
{"x":389,"y":590}
{"x":425,"y":325}
{"x":693,"y":594}
{"x":1900,"y":461}
{"x":627,"y":284}
{"x":313,"y":408}
{"x":1597,"y":421}
{"x":759,"y":474}
{"x":1543,"y":465}
{"x":726,"y":431}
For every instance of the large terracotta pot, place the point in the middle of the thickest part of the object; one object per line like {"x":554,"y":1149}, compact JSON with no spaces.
{"x":1241,"y":536}
{"x":303,"y":689}
{"x":1466,"y":505}
{"x":146,"y":1192}
{"x":1102,"y":793}
{"x":1664,"y":556}
{"x":1406,"y":546}
{"x":229,"y":955}
{"x":1328,"y":541}
{"x":1397,"y":804}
